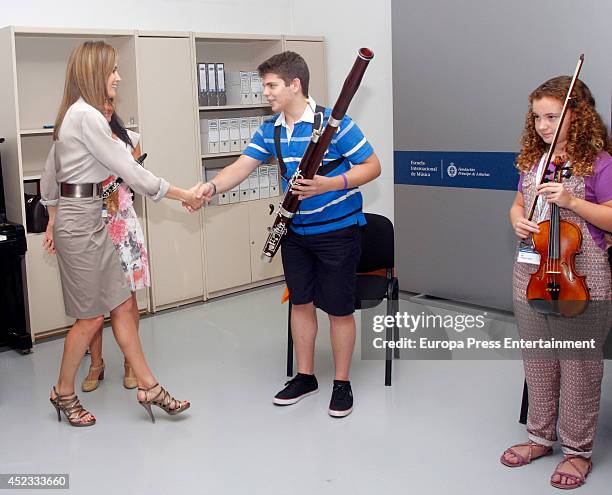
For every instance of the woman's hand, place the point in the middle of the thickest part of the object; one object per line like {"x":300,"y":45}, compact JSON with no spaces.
{"x":48,"y":243}
{"x":523,"y":228}
{"x":306,"y":188}
{"x":555,"y":192}
{"x":203,"y":193}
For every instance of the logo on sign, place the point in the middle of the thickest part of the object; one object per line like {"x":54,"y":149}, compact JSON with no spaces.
{"x":451,"y":170}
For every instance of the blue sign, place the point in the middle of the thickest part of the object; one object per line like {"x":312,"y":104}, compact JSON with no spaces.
{"x":470,"y":169}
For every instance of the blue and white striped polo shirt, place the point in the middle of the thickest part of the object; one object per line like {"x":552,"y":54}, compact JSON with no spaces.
{"x":326,"y":212}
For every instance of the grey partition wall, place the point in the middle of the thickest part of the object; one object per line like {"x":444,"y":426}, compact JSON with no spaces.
{"x":462,"y":71}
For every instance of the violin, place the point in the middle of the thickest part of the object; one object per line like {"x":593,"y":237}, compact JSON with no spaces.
{"x":556,"y":288}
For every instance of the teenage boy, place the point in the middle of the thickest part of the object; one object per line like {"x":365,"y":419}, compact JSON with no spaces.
{"x":322,"y":248}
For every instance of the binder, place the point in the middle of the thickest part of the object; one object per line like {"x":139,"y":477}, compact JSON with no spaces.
{"x":234,"y":134}
{"x":224,"y":198}
{"x":224,"y":136}
{"x":273,"y":173}
{"x":254,"y":185}
{"x":210,"y":174}
{"x":264,"y":181}
{"x":221,"y":95}
{"x":209,"y":132}
{"x":254,"y":124}
{"x":234,"y":194}
{"x":245,"y":132}
{"x":255,"y":88}
{"x":212,"y":85}
{"x":244,"y":190}
{"x":245,"y":88}
{"x":232,"y":88}
{"x":202,"y":85}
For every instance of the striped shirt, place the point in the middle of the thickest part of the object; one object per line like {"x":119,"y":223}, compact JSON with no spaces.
{"x":332,"y":210}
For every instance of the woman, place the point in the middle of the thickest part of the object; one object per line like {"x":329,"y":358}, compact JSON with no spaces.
{"x":93,"y":283}
{"x":564,"y":391}
{"x":126,"y":234}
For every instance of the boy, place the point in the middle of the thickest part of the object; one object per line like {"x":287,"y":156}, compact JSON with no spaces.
{"x":322,"y":248}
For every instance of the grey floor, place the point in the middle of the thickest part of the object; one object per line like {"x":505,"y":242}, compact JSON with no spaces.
{"x":439,"y":429}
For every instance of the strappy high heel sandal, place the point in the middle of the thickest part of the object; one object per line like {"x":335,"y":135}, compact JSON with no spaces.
{"x":72,"y":408}
{"x":163,"y":400}
{"x":91,"y":385}
{"x":129,"y":379}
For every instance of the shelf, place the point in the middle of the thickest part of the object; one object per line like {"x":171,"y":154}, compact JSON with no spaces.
{"x":234,"y":107}
{"x":31,"y":177}
{"x":43,"y":131}
{"x":222,"y":155}
{"x":34,"y":132}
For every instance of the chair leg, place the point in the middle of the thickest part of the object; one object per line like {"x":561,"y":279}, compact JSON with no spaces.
{"x":524,"y":405}
{"x":388,"y":351}
{"x":289,"y":344}
{"x":395,"y":300}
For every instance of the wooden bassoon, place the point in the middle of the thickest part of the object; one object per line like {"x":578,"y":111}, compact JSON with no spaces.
{"x":313,"y":156}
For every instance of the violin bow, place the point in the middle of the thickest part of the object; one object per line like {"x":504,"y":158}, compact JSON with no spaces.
{"x":551,"y":149}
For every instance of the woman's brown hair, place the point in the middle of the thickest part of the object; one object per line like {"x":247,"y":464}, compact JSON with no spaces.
{"x":89,"y":68}
{"x":587,"y":134}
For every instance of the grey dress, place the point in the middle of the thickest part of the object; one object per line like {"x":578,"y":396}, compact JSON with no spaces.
{"x":93,"y":282}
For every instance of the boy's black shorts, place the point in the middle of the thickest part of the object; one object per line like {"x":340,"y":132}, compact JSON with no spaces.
{"x":321,"y":268}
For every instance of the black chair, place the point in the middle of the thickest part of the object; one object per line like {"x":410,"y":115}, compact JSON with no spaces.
{"x":377,"y":254}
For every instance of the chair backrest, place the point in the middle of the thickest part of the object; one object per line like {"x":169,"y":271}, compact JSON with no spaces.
{"x":377,"y":244}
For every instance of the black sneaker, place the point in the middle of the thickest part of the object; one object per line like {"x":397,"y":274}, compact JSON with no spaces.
{"x":341,"y":403}
{"x":296,"y":389}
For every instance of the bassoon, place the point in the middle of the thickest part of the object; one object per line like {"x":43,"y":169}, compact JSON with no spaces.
{"x":313,"y":156}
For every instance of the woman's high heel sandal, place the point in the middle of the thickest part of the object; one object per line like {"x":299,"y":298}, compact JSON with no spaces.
{"x":72,"y":408}
{"x":91,"y":385}
{"x":129,"y":380}
{"x":163,"y":400}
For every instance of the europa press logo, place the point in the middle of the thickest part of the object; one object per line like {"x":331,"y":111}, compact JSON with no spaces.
{"x":451,"y":170}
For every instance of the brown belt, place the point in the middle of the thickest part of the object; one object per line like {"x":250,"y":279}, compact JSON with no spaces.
{"x":81,"y":190}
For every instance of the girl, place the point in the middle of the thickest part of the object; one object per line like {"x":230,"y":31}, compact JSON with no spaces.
{"x":93,"y":282}
{"x":564,"y":392}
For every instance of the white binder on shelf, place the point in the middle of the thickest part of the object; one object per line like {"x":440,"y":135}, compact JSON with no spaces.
{"x":202,"y":85}
{"x":254,"y":124}
{"x":255,"y":88}
{"x":264,"y":181}
{"x":211,"y":173}
{"x":244,"y":190}
{"x":274,"y":188}
{"x":232,"y":88}
{"x":234,"y":194}
{"x":245,"y":88}
{"x":212,"y":85}
{"x":224,"y":136}
{"x":234,"y":126}
{"x":221,"y":95}
{"x":245,"y":132}
{"x":254,"y":185}
{"x":209,"y":133}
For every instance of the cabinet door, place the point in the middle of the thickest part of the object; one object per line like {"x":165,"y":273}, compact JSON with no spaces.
{"x":259,"y":221}
{"x":168,"y":124}
{"x":228,"y":254}
{"x":45,"y":299}
{"x":314,"y":54}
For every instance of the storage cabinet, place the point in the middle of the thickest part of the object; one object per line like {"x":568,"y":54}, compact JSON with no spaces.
{"x":235,"y":235}
{"x":169,"y":137}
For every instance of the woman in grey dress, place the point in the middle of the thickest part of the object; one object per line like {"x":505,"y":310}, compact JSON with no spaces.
{"x":93,"y":283}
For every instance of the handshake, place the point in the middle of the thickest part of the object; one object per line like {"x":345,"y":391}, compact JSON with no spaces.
{"x":194,"y":198}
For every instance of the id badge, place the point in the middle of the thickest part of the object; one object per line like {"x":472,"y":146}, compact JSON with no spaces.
{"x":104,"y":212}
{"x":527,"y":255}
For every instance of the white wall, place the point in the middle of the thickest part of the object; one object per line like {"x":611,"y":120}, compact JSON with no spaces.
{"x":346,"y":24}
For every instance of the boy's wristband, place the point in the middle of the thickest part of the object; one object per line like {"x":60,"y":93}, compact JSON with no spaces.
{"x":345,"y":181}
